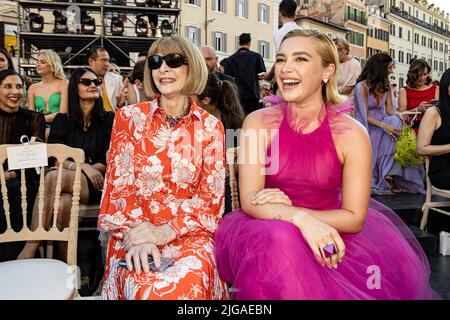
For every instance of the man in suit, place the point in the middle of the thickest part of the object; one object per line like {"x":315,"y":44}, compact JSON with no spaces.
{"x":246,"y":67}
{"x":114,"y":94}
{"x":211,"y":59}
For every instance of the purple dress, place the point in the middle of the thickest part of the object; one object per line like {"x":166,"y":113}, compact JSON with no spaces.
{"x":269,"y":259}
{"x":383,"y":148}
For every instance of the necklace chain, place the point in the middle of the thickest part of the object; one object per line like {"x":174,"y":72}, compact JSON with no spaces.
{"x":173,"y":120}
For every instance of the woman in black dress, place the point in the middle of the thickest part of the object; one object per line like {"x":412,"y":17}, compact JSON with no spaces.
{"x":86,"y":126}
{"x":434,"y":136}
{"x":16,"y":122}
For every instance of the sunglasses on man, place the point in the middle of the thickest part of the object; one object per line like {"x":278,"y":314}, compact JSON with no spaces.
{"x":173,"y":60}
{"x":88,"y":82}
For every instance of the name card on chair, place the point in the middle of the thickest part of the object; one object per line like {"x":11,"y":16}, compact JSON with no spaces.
{"x":27,"y":156}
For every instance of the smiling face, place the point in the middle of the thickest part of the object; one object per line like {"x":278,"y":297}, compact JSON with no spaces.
{"x":170,"y":81}
{"x":299,"y":71}
{"x":42,"y":66}
{"x":11,"y":93}
{"x":90,"y":92}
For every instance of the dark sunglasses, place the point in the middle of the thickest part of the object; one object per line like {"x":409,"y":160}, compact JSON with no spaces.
{"x":88,"y":82}
{"x":173,"y":60}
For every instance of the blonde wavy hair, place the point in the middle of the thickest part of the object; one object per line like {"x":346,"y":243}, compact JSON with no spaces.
{"x":326,"y":49}
{"x":55,"y":63}
{"x":197,"y":75}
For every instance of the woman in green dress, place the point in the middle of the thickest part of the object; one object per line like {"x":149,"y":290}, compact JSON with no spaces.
{"x":49,"y":95}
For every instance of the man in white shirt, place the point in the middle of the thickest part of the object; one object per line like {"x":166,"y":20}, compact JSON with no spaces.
{"x":113,"y":92}
{"x":286,"y":16}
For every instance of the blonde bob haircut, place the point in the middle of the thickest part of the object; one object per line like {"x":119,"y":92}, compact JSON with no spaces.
{"x":55,"y":63}
{"x":327,"y":51}
{"x":197,"y":74}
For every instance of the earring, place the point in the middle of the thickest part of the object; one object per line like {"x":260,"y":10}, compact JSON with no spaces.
{"x":324,"y":81}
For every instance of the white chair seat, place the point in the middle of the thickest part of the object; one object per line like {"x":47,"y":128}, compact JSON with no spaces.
{"x":36,"y":279}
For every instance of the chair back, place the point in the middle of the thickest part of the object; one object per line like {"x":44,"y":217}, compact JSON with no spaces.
{"x":232,"y":172}
{"x":70,"y":234}
{"x":435,"y":205}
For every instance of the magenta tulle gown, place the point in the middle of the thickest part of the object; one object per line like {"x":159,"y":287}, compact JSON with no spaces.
{"x":269,"y":259}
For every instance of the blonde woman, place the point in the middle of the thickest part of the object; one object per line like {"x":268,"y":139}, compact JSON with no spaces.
{"x":305,"y":230}
{"x":164,"y":184}
{"x":49,"y":95}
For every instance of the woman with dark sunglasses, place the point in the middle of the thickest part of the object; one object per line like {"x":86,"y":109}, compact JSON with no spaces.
{"x":164,"y":184}
{"x":86,"y":126}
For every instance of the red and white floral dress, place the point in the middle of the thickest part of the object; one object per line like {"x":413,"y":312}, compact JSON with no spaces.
{"x":165,"y":175}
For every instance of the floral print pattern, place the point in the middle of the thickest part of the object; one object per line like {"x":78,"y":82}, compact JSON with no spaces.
{"x":165,"y":176}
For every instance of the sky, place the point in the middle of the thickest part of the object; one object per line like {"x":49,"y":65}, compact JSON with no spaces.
{"x":443,"y":4}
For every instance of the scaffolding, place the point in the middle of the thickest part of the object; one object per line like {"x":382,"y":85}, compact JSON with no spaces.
{"x":72,"y":45}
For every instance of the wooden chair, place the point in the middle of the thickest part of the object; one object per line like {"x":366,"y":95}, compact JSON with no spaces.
{"x":232,"y":172}
{"x":42,"y":278}
{"x":433,"y":205}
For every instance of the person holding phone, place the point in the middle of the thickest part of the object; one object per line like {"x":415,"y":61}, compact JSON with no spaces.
{"x":434,"y":136}
{"x":164,"y":184}
{"x":418,"y":92}
{"x":375,"y":110}
{"x":304,"y":230}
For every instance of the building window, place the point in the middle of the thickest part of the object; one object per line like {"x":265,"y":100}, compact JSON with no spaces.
{"x":441,"y":47}
{"x":194,"y":2}
{"x":263,"y":13}
{"x":242,"y":8}
{"x":401,"y":57}
{"x":435,"y":47}
{"x":392,"y":30}
{"x":263,"y":48}
{"x":193,"y":34}
{"x":435,"y":66}
{"x":219,"y":41}
{"x":416,"y":38}
{"x":409,"y":35}
{"x":402,"y":6}
{"x":408,"y":57}
{"x":400,"y":82}
{"x":424,"y":41}
{"x":220,"y":5}
{"x":441,"y":66}
{"x":392,"y":53}
{"x":400,"y":32}
{"x":430,"y":43}
{"x":369,"y":52}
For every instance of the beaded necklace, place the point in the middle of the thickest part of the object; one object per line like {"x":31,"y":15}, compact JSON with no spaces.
{"x":173,"y":120}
